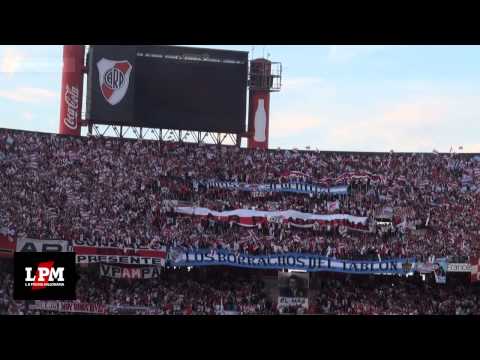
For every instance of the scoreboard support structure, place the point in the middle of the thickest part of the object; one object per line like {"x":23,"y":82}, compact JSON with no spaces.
{"x":200,"y":137}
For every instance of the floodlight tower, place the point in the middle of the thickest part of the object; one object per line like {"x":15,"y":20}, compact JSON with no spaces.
{"x":264,"y":77}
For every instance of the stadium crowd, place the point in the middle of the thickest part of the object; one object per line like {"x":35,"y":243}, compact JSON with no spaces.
{"x":119,"y":192}
{"x":395,"y":296}
{"x":198,"y":292}
{"x":179,"y":292}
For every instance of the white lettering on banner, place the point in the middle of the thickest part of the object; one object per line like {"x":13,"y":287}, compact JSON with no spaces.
{"x":46,"y":305}
{"x":292,"y":301}
{"x":459,"y":267}
{"x":70,"y":307}
{"x":114,"y":259}
{"x":302,"y":188}
{"x":129,"y":273}
{"x":297,"y":261}
{"x":34,"y":245}
{"x":96,"y":254}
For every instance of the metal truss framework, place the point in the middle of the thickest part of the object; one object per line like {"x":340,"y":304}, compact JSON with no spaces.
{"x":164,"y":134}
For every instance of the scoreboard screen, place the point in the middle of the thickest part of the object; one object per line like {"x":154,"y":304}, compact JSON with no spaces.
{"x":168,"y":87}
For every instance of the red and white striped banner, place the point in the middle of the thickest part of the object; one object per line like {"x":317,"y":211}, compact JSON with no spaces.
{"x":250,"y":217}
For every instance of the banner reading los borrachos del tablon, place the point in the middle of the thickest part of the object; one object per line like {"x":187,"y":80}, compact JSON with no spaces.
{"x":297,"y":261}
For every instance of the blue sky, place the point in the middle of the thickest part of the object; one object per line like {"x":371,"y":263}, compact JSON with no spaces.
{"x":362,"y":98}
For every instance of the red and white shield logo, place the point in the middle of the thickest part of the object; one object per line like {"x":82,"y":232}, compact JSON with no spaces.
{"x":114,"y":77}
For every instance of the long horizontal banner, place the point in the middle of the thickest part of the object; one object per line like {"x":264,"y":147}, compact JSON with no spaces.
{"x":299,"y":188}
{"x":247,"y":215}
{"x":90,"y":254}
{"x":70,"y":307}
{"x":296,"y":261}
{"x":120,"y":259}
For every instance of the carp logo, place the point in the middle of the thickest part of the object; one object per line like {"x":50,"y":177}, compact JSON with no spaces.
{"x":114,"y":77}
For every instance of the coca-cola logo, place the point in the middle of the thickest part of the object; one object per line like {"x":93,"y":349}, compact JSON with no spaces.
{"x":71,"y":99}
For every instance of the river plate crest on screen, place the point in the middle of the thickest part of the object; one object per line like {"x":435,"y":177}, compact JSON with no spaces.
{"x":114,"y":77}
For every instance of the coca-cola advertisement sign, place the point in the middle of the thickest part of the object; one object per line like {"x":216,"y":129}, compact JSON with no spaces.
{"x":72,"y":86}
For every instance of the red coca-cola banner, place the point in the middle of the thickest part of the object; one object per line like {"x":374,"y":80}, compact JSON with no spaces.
{"x":72,"y":88}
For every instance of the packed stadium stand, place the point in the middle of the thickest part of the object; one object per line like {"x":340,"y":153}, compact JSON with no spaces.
{"x":125,"y":193}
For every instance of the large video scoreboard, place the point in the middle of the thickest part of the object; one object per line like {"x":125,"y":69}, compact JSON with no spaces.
{"x":168,"y":87}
